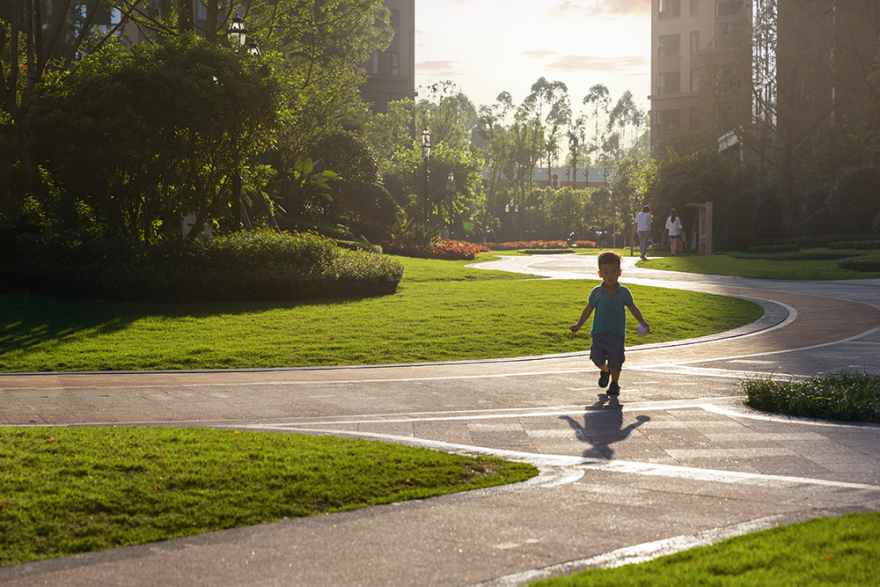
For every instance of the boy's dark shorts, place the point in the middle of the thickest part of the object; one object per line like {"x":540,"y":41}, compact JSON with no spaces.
{"x":608,"y":348}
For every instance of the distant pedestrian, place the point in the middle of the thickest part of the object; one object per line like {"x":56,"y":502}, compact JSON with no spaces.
{"x":609,"y":324}
{"x":673,"y":225}
{"x":643,"y":227}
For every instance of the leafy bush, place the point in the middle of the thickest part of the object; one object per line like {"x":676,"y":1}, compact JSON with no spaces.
{"x":781,"y":248}
{"x":855,"y":199}
{"x":865,"y":264}
{"x":860,"y":245}
{"x":844,"y":397}
{"x":449,"y":250}
{"x":263,"y":265}
{"x":805,"y":255}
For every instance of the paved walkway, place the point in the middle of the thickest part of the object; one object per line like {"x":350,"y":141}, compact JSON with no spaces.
{"x":677,"y":462}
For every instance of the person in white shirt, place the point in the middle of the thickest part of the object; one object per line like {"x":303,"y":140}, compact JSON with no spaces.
{"x":673,"y":225}
{"x":643,"y":227}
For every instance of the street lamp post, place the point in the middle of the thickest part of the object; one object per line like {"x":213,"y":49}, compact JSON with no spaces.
{"x":426,"y":153}
{"x":237,"y":34}
{"x":450,"y":185}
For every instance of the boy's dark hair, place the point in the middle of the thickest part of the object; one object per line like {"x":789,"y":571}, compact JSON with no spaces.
{"x":609,"y":258}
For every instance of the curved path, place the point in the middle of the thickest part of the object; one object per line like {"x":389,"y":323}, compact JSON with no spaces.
{"x":676,"y":462}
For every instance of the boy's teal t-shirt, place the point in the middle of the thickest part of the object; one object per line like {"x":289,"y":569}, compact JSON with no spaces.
{"x":609,"y":314}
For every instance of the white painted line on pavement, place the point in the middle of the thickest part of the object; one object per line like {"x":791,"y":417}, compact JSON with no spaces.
{"x":565,"y":463}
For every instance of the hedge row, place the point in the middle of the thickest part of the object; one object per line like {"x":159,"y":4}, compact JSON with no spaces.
{"x":866,"y":264}
{"x":243,"y":266}
{"x":858,"y":245}
{"x":804,"y":255}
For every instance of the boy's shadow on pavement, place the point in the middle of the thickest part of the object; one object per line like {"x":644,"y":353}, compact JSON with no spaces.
{"x":603,"y":426}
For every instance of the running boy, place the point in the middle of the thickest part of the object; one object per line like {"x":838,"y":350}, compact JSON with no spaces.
{"x":609,"y":323}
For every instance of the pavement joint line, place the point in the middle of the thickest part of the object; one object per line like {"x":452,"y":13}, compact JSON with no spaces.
{"x":766,"y":354}
{"x":683,"y":369}
{"x":566,"y":462}
{"x":506,"y":413}
{"x":638,"y":553}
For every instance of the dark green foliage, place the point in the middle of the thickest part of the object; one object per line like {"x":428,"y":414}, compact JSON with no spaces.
{"x":845,"y":397}
{"x":242,"y":266}
{"x":800,"y":255}
{"x":783,"y":248}
{"x":865,"y":264}
{"x":133,"y":140}
{"x":855,"y":199}
{"x":864,"y":245}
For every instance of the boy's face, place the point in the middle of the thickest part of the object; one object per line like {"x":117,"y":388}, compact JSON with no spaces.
{"x":609,"y":274}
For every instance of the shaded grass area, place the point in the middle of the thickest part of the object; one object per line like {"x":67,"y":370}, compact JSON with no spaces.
{"x":845,"y":397}
{"x":443,"y":311}
{"x":825,"y":551}
{"x":821,"y":270}
{"x":71,"y":490}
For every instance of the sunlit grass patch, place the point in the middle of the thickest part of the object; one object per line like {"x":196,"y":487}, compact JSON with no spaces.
{"x":70,"y":490}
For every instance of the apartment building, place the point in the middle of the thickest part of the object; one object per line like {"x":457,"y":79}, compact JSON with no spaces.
{"x":683,"y":33}
{"x":392,"y":73}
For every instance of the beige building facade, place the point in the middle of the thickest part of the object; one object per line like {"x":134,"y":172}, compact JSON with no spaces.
{"x":392,"y":73}
{"x":683,"y":33}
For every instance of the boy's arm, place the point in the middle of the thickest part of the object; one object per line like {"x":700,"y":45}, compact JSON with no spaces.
{"x":637,"y":314}
{"x":584,"y":315}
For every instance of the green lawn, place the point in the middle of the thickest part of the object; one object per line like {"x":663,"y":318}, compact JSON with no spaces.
{"x":69,"y":490}
{"x":842,"y":551}
{"x":762,"y":268}
{"x":443,"y":311}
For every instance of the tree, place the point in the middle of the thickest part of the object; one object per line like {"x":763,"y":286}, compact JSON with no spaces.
{"x":140,"y":138}
{"x":33,"y":42}
{"x":598,"y":99}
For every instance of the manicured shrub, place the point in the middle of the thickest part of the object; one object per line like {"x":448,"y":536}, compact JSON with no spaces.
{"x":860,"y":245}
{"x":449,"y":250}
{"x":779,"y":248}
{"x":867,"y":264}
{"x":263,"y":265}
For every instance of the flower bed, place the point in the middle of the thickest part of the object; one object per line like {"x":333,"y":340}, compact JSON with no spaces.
{"x":519,"y":245}
{"x":449,"y":250}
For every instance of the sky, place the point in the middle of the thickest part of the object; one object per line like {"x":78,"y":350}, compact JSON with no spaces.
{"x":486,"y":47}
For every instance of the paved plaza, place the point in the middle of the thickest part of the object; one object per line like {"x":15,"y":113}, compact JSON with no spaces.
{"x":677,"y":461}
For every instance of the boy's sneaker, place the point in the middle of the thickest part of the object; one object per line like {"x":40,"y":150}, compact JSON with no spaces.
{"x":603,"y":378}
{"x":614,"y":389}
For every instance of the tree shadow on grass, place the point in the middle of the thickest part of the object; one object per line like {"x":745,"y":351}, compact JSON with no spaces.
{"x":28,"y":321}
{"x":603,"y":426}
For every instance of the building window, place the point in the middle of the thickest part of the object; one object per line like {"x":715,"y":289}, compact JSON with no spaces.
{"x":694,"y":115}
{"x":670,"y":9}
{"x":695,"y":42}
{"x":201,"y":11}
{"x":669,"y":83}
{"x":695,"y":80}
{"x":668,"y":46}
{"x":722,"y":29}
{"x":728,"y":7}
{"x":695,"y":7}
{"x":395,"y":64}
{"x":375,"y":63}
{"x":666,"y":120}
{"x":395,"y":22}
